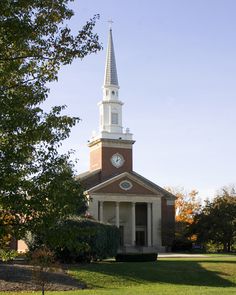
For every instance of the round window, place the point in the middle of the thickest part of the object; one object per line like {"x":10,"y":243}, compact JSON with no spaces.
{"x":126,"y":185}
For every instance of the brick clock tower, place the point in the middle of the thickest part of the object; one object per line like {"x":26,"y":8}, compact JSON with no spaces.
{"x":111,"y":148}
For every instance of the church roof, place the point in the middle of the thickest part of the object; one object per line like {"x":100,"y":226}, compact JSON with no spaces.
{"x":86,"y":174}
{"x":92,"y":181}
{"x":157,"y":187}
{"x":111,"y":77}
{"x":89,"y":179}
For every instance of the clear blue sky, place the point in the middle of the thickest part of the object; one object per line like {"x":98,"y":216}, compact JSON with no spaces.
{"x":177,"y":74}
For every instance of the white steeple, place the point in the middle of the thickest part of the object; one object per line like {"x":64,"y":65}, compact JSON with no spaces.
{"x":110,"y":108}
{"x":110,"y":77}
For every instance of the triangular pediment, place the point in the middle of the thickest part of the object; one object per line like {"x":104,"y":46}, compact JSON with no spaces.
{"x":127,"y":183}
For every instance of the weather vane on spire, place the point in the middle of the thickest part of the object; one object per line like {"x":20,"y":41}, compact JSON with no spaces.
{"x":110,"y":21}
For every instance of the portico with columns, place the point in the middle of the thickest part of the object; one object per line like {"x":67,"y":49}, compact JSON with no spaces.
{"x":137,"y":212}
{"x":116,"y":194}
{"x":129,"y":227}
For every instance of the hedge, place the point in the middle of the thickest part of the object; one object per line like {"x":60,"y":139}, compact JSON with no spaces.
{"x":78,"y":239}
{"x":136,"y":257}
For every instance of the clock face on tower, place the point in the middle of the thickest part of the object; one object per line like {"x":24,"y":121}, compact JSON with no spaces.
{"x":117,"y":160}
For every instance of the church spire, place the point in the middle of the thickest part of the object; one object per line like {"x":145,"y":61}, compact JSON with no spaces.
{"x":110,"y":108}
{"x":110,"y":78}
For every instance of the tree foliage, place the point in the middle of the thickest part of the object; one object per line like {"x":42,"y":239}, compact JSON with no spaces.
{"x":37,"y":183}
{"x":216,"y":222}
{"x":186,"y":206}
{"x":6,"y":222}
{"x":79,"y":239}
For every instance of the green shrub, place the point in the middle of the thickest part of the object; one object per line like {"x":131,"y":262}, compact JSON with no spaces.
{"x":105,"y":242}
{"x":136,"y":257}
{"x":181,"y":245}
{"x":7,"y":255}
{"x":79,"y":240}
{"x":214,"y":247}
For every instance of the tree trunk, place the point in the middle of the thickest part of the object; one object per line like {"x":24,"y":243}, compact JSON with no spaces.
{"x":228,"y":246}
{"x":225,"y":247}
{"x":43,"y":289}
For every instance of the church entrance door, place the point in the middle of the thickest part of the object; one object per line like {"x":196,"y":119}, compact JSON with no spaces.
{"x":140,"y":238}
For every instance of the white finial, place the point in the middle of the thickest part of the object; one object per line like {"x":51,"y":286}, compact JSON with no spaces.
{"x":93,"y":133}
{"x":110,"y":21}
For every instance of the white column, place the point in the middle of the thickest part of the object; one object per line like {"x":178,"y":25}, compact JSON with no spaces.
{"x":133,"y":225}
{"x":93,"y":209}
{"x":118,"y":214}
{"x":149,"y":224}
{"x":101,"y":211}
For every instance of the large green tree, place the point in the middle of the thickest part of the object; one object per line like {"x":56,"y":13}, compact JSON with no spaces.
{"x":37,"y":184}
{"x":216,"y":222}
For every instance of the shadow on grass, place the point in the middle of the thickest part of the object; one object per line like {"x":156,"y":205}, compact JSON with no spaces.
{"x":21,"y":277}
{"x":181,"y":272}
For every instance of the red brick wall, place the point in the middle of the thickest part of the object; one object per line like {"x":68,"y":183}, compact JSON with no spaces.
{"x":100,"y":158}
{"x":95,"y":159}
{"x":168,"y":223}
{"x":108,"y":169}
{"x":115,"y":188}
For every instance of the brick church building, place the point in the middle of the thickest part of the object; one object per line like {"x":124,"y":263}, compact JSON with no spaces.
{"x":143,"y":211}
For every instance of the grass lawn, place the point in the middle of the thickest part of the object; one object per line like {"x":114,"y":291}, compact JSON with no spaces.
{"x":210,"y":275}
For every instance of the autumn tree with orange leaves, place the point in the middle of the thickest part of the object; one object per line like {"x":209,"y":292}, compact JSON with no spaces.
{"x":187,"y":205}
{"x":6,"y":223}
